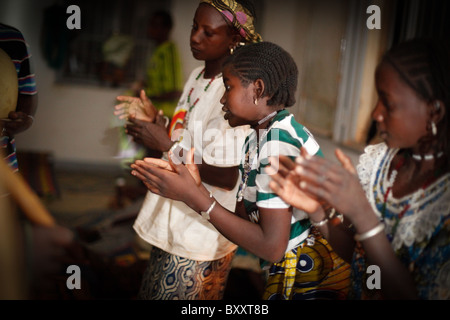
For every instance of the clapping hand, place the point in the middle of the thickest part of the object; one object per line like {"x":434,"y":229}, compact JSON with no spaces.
{"x":166,"y":178}
{"x":136,"y":108}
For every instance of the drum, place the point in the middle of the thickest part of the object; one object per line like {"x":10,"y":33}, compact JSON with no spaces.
{"x":9,"y":87}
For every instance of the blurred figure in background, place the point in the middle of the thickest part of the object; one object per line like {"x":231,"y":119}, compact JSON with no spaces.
{"x":163,"y":84}
{"x":21,"y":117}
{"x":34,"y":249}
{"x":164,"y":78}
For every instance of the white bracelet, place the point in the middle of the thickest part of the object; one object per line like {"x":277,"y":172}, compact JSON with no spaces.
{"x":371,"y":233}
{"x":335,"y":214}
{"x":320,"y":223}
{"x":205,"y":214}
{"x":166,"y":119}
{"x":329,"y":218}
{"x":31,"y":117}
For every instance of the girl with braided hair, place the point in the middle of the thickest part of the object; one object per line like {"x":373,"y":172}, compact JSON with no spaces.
{"x":260,"y":81}
{"x":397,"y":200}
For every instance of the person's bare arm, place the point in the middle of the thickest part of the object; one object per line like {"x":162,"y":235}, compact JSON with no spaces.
{"x":222,"y":177}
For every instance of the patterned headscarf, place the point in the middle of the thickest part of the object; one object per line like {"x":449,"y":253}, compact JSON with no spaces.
{"x":239,"y":17}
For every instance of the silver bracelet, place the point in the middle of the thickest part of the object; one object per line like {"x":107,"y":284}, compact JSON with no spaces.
{"x":31,"y":117}
{"x":166,"y":119}
{"x":371,"y":233}
{"x":320,"y":223}
{"x":205,"y":214}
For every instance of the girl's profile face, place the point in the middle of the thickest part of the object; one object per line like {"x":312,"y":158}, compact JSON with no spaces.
{"x":238,"y":100}
{"x":400,"y":114}
{"x":211,"y":37}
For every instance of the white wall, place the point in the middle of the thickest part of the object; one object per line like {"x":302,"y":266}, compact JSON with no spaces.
{"x":72,"y":122}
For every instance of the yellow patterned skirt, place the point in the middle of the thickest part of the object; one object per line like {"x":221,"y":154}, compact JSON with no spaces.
{"x":309,"y":272}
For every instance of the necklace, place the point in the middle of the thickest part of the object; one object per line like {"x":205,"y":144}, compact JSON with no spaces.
{"x":269,"y":116}
{"x":419,"y":157}
{"x":247,"y":162}
{"x":192,"y":106}
{"x":415,"y":197}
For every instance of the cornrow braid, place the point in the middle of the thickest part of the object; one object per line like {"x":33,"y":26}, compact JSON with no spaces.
{"x":270,"y":63}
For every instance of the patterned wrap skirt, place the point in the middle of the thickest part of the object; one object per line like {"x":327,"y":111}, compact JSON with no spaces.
{"x":312,"y":271}
{"x":170,"y":277}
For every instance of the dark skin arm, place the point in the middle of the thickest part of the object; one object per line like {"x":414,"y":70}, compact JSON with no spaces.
{"x":217,"y":176}
{"x":147,"y":126}
{"x":19,"y":120}
{"x":342,"y":190}
{"x":154,"y":136}
{"x":268,"y":239}
{"x":285,"y":182}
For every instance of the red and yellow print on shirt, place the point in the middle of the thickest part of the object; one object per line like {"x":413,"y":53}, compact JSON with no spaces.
{"x":177,"y":121}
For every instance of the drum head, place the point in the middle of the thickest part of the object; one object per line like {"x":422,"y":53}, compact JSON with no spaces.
{"x":9,"y":87}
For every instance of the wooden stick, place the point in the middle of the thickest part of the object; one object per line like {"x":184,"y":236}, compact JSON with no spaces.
{"x":12,"y":267}
{"x":25,"y":197}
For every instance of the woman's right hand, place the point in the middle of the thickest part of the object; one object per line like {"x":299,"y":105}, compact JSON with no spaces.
{"x":335,"y":184}
{"x":285,"y":183}
{"x":136,"y":108}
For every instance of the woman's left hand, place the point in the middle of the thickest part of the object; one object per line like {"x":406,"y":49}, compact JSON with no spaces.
{"x":285,"y":183}
{"x":338,"y":185}
{"x":153,"y":135}
{"x":168,"y":179}
{"x":138,"y":108}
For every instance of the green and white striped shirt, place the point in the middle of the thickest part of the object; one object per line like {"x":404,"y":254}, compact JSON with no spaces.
{"x":285,"y":136}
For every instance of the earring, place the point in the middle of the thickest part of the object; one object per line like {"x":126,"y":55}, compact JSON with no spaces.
{"x":231,"y":51}
{"x":255,"y":101}
{"x":433,"y":128}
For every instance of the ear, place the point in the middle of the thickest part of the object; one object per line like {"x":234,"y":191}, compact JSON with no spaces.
{"x":258,"y":88}
{"x":235,"y":40}
{"x":437,"y":110}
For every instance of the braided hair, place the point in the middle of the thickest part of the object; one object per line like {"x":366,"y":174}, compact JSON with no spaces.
{"x":424,"y":65}
{"x":270,"y":63}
